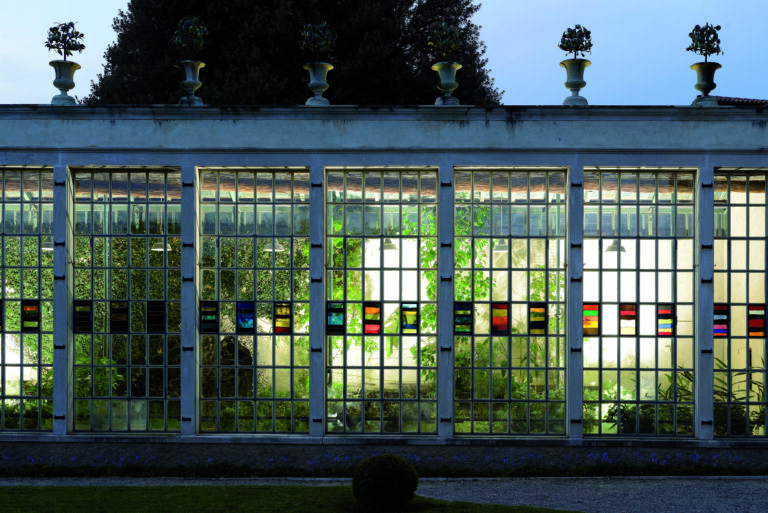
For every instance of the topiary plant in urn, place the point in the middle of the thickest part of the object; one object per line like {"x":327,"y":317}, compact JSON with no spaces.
{"x":445,"y":41}
{"x":187,"y":40}
{"x":318,"y":42}
{"x":705,"y":41}
{"x":576,"y":40}
{"x":64,"y":39}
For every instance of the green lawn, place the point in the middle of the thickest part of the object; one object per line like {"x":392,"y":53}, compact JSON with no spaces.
{"x":203,"y":499}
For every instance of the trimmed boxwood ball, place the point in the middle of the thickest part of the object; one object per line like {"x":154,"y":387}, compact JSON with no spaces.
{"x":384,"y":483}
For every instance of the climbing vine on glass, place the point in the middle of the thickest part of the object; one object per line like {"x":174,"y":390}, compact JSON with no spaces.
{"x":510,"y":266}
{"x":382,"y":282}
{"x":26,"y":365}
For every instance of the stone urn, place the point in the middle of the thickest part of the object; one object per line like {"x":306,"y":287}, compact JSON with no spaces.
{"x":318,"y":73}
{"x":705,"y":82}
{"x":574,"y":69}
{"x":64,"y":81}
{"x":191,"y":82}
{"x":447,"y":72}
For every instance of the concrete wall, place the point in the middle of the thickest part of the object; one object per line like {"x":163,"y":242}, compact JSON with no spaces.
{"x":339,"y":129}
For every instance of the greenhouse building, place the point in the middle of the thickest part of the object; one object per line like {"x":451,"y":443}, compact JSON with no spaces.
{"x":419,"y":278}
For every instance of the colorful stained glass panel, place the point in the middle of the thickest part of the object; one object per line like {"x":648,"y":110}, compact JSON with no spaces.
{"x":756,"y":320}
{"x":209,"y":317}
{"x":83,"y":316}
{"x":372,"y":318}
{"x":335,"y":322}
{"x":462,"y":318}
{"x":591,"y":322}
{"x":665,"y":320}
{"x":499,"y":319}
{"x":628,"y":319}
{"x":537,"y":318}
{"x":409,"y":315}
{"x":30,"y":316}
{"x":245,"y":316}
{"x":118,"y":317}
{"x":721,"y":320}
{"x":282,"y":318}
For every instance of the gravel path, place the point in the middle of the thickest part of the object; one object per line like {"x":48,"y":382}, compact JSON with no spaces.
{"x":614,"y":495}
{"x":589,"y":495}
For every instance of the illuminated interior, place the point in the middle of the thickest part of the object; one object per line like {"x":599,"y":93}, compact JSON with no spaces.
{"x":254,"y":301}
{"x":26,"y":310}
{"x":381,"y":310}
{"x":739,"y":302}
{"x":638,"y":302}
{"x":127,"y":315}
{"x":509,"y":362}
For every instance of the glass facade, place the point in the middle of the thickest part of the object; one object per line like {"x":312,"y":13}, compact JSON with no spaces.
{"x":381,"y":301}
{"x":26,"y":354}
{"x":127,"y":310}
{"x":509,"y":364}
{"x":638,"y":300}
{"x":378,"y":296}
{"x":739,"y":304}
{"x":254,"y":301}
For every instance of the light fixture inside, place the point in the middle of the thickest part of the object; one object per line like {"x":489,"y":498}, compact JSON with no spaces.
{"x":501,"y":247}
{"x":276,"y":248}
{"x":160,"y":246}
{"x":615,"y":246}
{"x":389,"y":245}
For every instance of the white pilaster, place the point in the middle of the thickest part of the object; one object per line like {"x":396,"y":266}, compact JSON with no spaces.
{"x":704,"y":345}
{"x":316,"y":302}
{"x":63,"y":278}
{"x":189,"y":300}
{"x":574,"y":414}
{"x":445,"y":349}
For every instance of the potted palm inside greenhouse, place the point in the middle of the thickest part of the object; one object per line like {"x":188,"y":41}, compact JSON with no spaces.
{"x":318,"y":41}
{"x":64,"y":39}
{"x":705,"y":41}
{"x":445,"y":41}
{"x":187,"y":39}
{"x":576,"y":40}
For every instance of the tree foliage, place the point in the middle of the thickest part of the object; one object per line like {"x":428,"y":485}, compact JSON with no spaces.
{"x":253,"y":52}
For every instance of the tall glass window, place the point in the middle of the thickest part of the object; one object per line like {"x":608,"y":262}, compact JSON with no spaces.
{"x":638,"y":302}
{"x":26,"y":309}
{"x":739,"y":326}
{"x":254,"y":359}
{"x":127,"y":315}
{"x":381,"y":301}
{"x":509,"y":310}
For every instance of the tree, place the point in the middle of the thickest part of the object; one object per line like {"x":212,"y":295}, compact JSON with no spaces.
{"x":253,"y":54}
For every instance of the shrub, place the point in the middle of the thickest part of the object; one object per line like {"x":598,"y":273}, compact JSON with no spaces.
{"x":384,"y":483}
